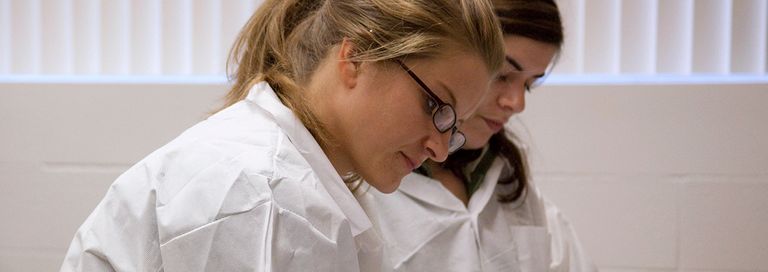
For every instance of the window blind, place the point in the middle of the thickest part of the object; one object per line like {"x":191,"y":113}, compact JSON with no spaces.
{"x":119,"y":37}
{"x":679,"y":37}
{"x":193,"y":37}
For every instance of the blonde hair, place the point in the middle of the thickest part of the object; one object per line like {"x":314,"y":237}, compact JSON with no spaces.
{"x":285,"y":40}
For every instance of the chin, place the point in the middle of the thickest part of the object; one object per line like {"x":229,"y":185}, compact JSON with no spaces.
{"x":479,"y":143}
{"x":473,"y":145}
{"x":385,"y":185}
{"x":477,"y":140}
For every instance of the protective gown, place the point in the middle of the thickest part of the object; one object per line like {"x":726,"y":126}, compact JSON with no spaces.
{"x":427,"y":228}
{"x":248,"y":189}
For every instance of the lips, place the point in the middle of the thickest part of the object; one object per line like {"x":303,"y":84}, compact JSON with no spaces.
{"x":494,"y":125}
{"x":410,"y":163}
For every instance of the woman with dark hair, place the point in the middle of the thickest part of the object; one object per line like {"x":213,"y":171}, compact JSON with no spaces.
{"x":478,"y":211}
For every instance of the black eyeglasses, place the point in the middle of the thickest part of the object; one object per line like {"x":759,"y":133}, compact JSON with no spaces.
{"x":443,"y":114}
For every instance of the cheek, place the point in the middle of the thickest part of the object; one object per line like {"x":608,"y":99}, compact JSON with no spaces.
{"x":477,"y":133}
{"x":409,"y":117}
{"x":490,"y":103}
{"x":396,"y":126}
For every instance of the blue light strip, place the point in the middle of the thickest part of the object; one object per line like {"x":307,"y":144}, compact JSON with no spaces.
{"x":657,"y":79}
{"x":552,"y":80}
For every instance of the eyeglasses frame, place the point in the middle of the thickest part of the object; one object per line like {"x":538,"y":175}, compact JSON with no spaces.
{"x":440,"y":104}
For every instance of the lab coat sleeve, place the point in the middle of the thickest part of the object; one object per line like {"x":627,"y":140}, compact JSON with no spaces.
{"x":265,"y":238}
{"x":216,"y":246}
{"x":567,"y":252}
{"x":78,"y":258}
{"x":118,"y":235}
{"x":248,"y":234}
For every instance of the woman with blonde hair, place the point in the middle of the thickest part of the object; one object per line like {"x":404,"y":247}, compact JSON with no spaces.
{"x":325,"y":92}
{"x":478,"y":210}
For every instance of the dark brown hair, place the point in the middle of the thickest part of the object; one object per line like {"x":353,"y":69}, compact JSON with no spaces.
{"x":538,"y":20}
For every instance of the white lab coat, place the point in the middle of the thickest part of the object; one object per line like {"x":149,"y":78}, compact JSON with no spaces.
{"x":248,"y":189}
{"x":426,"y":228}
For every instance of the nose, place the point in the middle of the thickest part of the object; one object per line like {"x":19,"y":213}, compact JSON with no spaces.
{"x":436,"y":145}
{"x":513,"y":99}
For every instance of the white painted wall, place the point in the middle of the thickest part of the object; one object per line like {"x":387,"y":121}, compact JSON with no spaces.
{"x":668,"y":177}
{"x":62,"y":145}
{"x":658,"y":177}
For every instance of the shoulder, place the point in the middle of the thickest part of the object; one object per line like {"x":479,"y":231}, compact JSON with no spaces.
{"x":529,"y":210}
{"x":568,"y":254}
{"x":235,"y":161}
{"x":264,"y":222}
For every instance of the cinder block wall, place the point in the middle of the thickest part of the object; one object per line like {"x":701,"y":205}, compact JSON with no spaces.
{"x":658,"y":177}
{"x":654,"y":177}
{"x":62,"y":145}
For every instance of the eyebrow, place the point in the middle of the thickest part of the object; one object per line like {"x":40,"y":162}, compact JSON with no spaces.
{"x":519,"y":67}
{"x":514,"y":63}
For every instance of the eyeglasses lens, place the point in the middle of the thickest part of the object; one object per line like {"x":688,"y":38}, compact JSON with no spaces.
{"x":445,"y":118}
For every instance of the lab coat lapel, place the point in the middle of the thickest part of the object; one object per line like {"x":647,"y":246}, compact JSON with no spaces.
{"x":498,"y":249}
{"x":263,"y":95}
{"x":431,"y":191}
{"x":480,"y":198}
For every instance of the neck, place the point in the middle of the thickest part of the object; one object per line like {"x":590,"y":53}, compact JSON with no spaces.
{"x":320,"y":95}
{"x":340,"y":162}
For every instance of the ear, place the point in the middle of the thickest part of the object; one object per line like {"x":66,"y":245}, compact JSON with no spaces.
{"x":348,"y":70}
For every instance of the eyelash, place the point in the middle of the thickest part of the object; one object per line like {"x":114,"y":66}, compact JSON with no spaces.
{"x":430,"y":104}
{"x":506,"y":79}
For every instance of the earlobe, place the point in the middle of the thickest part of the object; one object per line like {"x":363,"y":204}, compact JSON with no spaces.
{"x":348,"y":69}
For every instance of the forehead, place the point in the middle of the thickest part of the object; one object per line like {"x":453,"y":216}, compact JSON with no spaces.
{"x":463,"y":76}
{"x":531,"y":54}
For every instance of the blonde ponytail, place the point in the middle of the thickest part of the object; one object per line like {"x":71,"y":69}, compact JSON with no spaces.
{"x":285,"y":40}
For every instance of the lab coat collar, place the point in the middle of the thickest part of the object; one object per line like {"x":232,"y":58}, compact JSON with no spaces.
{"x":432,"y":191}
{"x":480,"y":198}
{"x":262,"y":95}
